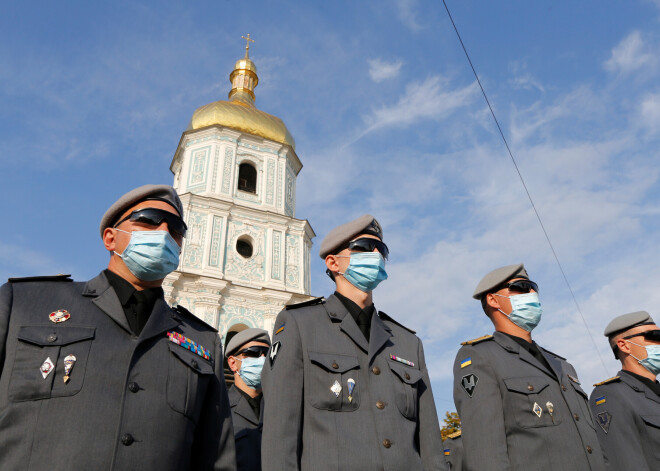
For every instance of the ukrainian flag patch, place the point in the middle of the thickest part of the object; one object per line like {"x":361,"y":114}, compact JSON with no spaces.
{"x":447,"y":452}
{"x":466,"y":362}
{"x":281,"y":328}
{"x":600,"y":400}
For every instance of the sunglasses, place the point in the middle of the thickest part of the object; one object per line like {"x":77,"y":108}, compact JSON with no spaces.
{"x":255,"y":351}
{"x":520,"y":286}
{"x":368,"y":245}
{"x":155,"y":217}
{"x":653,"y":335}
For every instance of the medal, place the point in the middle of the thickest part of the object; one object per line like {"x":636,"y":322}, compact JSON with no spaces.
{"x":68,"y":366}
{"x":351,"y":386}
{"x":58,"y":316}
{"x":46,"y":367}
{"x":336,"y":388}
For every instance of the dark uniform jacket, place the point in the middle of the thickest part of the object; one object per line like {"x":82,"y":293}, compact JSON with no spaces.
{"x":627,"y":412}
{"x":130,"y":403}
{"x":504,"y":396}
{"x":453,"y":445}
{"x":247,"y":432}
{"x":389,"y":422}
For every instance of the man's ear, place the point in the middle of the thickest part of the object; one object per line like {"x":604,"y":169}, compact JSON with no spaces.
{"x":232,"y":362}
{"x":492,"y":301}
{"x":332,"y":263}
{"x":109,"y":239}
{"x":623,"y":346}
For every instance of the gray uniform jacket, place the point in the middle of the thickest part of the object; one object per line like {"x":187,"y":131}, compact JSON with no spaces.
{"x":504,"y":397}
{"x":454,"y":452}
{"x":389,"y":422}
{"x":130,"y":403}
{"x":247,"y":432}
{"x":628,"y":416}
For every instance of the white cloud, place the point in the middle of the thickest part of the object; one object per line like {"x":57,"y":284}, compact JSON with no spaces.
{"x":430,"y":99}
{"x":630,"y":55}
{"x":649,"y":112}
{"x":523,"y":79}
{"x":407,"y":14}
{"x":380,"y":69}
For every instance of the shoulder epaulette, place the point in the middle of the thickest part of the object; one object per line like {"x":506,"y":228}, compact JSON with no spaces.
{"x":185,"y":312}
{"x":477,"y":340}
{"x":609,"y":380}
{"x":311,"y":302}
{"x":553,"y":353}
{"x":388,"y":318}
{"x":454,"y":435}
{"x":60,"y":277}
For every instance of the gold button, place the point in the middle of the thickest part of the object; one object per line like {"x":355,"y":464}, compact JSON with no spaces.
{"x":563,"y":388}
{"x":407,"y":376}
{"x":577,"y":417}
{"x":380,"y":405}
{"x":589,"y":449}
{"x":335,"y":365}
{"x":530,"y":387}
{"x":387,"y":443}
{"x":375,"y":370}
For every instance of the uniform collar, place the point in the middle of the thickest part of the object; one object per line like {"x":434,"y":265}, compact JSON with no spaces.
{"x":640,"y":384}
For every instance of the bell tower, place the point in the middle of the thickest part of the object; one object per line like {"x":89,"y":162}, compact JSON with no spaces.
{"x":235,"y":169}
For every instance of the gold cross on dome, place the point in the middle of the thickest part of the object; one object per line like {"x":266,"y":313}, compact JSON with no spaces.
{"x":248,"y":40}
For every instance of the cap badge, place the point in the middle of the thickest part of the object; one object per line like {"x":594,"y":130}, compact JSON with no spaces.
{"x":61,"y":315}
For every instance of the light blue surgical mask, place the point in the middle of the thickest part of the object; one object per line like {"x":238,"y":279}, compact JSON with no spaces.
{"x":150,"y":255}
{"x":526,"y":310}
{"x":250,"y":371}
{"x":652,"y":360}
{"x":365,"y":270}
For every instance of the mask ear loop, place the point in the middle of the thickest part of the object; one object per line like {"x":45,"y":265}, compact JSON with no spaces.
{"x":638,"y":360}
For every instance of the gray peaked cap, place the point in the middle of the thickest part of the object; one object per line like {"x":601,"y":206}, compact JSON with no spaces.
{"x":243,"y":337}
{"x":164,"y":193}
{"x":627,"y":321}
{"x":340,"y":236}
{"x":497,"y":277}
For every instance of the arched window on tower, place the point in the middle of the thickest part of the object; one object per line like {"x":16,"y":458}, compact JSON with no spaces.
{"x":247,"y":178}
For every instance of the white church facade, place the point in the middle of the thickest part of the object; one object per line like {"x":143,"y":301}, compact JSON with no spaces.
{"x":246,"y":255}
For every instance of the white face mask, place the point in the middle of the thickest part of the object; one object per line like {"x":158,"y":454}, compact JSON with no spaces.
{"x":526,"y":310}
{"x":652,"y":360}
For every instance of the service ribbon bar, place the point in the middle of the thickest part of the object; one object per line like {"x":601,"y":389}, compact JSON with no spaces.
{"x":191,"y":345}
{"x":401,"y":360}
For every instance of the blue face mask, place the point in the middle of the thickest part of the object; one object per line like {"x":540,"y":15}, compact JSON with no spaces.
{"x":250,"y":371}
{"x":150,"y":255}
{"x":365,"y":270}
{"x":526,"y":310}
{"x":652,"y":360}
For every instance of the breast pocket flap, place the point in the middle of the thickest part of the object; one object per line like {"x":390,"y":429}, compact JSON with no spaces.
{"x":406,"y":374}
{"x":652,"y":420}
{"x":528,"y":385}
{"x":46,"y":335}
{"x":333,"y":362}
{"x":192,"y":360}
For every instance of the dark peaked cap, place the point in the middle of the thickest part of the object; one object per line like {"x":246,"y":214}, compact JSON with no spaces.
{"x":143,"y":193}
{"x":243,"y":337}
{"x":627,"y":321}
{"x":339,"y":236}
{"x":497,"y":277}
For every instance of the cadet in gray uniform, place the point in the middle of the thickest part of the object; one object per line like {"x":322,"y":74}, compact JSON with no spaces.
{"x":346,"y":387}
{"x":627,"y":407}
{"x":453,"y":445}
{"x":104,"y":375}
{"x":246,"y":353}
{"x":521,"y":406}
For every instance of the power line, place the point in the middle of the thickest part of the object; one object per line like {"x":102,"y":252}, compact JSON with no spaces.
{"x":529,"y":196}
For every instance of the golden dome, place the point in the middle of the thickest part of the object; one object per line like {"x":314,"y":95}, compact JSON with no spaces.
{"x":239,"y":112}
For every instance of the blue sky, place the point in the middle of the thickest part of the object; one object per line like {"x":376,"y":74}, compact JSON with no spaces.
{"x":387,"y":119}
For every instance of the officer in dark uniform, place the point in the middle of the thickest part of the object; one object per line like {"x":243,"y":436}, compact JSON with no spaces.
{"x":627,"y":407}
{"x":345,"y":386}
{"x":521,"y":406}
{"x":104,"y":375}
{"x":453,"y":446}
{"x":246,"y":353}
